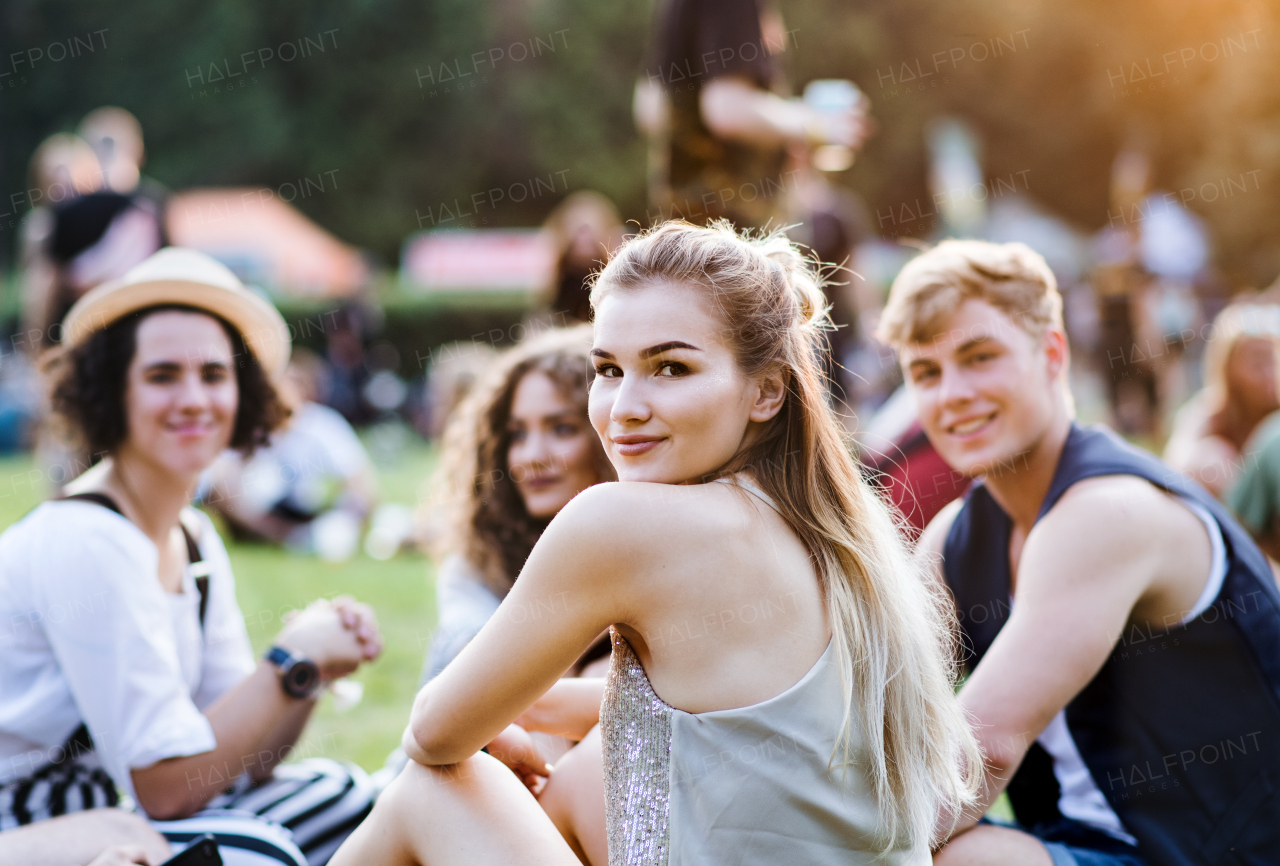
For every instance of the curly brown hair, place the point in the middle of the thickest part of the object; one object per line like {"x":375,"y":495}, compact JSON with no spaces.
{"x":489,"y":524}
{"x":87,"y":386}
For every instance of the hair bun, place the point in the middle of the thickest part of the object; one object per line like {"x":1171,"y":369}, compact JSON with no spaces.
{"x":803,"y":277}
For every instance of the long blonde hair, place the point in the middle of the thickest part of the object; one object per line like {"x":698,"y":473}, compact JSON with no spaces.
{"x":893,"y":633}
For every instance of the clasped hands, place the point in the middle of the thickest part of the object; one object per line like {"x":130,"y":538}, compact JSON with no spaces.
{"x":338,"y":635}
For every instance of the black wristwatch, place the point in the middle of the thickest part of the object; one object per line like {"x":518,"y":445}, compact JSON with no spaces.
{"x":299,"y":677}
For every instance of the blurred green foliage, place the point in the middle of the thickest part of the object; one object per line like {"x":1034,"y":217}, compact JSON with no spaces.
{"x":1058,"y":106}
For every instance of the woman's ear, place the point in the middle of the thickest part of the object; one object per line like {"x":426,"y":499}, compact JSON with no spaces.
{"x":772,"y":390}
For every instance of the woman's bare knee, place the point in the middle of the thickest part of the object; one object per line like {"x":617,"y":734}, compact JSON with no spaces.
{"x":989,"y":845}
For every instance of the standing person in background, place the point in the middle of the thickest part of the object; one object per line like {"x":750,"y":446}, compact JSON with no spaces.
{"x":115,"y":136}
{"x":62,"y":168}
{"x":1212,"y":431}
{"x":97,"y":236}
{"x":127,"y":666}
{"x":713,"y":104}
{"x":831,"y":221}
{"x":586,"y":229}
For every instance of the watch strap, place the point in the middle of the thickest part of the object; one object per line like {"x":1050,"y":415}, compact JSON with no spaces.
{"x":279,"y":656}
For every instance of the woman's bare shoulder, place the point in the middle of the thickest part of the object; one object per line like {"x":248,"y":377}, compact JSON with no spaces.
{"x":640,"y":520}
{"x":642,"y":504}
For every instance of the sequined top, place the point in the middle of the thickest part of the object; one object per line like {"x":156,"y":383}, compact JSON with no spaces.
{"x":751,"y":786}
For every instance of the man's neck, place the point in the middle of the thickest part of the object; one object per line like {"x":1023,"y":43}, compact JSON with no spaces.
{"x":1020,"y":489}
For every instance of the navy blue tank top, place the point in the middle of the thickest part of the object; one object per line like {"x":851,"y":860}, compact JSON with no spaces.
{"x":1180,"y":729}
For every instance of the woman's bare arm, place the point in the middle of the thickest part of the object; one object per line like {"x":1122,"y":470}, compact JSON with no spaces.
{"x":559,"y":605}
{"x":570,"y":708}
{"x":245,"y":719}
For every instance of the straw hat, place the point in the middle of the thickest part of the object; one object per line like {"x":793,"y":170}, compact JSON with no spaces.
{"x":176,"y":275}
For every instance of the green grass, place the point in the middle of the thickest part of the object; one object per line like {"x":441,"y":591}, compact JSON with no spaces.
{"x":270,"y":581}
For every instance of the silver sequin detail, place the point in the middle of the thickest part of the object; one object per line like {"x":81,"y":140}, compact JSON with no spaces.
{"x":635,"y":726}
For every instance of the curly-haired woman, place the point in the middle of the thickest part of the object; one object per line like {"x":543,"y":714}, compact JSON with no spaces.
{"x":516,"y":451}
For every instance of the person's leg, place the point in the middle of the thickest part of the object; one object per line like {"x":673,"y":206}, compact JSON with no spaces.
{"x":989,"y":845}
{"x":574,"y":800}
{"x":79,"y":838}
{"x":474,"y":813}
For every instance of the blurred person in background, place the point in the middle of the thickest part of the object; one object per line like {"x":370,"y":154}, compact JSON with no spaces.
{"x":62,"y":168}
{"x":1119,"y":282}
{"x":128,"y":670}
{"x":519,"y":448}
{"x":98,"y":235}
{"x":115,"y":136}
{"x":1152,"y":271}
{"x":713,"y":102}
{"x":516,"y":451}
{"x":586,"y":229}
{"x":453,"y":372}
{"x":831,"y":221}
{"x":311,"y":487}
{"x":1254,"y":496}
{"x":348,"y":369}
{"x":1212,"y":432}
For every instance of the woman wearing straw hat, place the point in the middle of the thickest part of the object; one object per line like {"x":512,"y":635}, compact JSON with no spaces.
{"x":127,"y":663}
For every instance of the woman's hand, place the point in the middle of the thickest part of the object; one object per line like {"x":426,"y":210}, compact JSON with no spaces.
{"x":360,"y":619}
{"x":568,"y":709}
{"x":515,"y":748}
{"x":319,"y":632}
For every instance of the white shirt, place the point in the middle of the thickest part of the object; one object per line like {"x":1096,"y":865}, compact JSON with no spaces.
{"x":88,"y":634}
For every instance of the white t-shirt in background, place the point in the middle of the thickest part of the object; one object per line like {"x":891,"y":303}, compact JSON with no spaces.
{"x":88,"y":634}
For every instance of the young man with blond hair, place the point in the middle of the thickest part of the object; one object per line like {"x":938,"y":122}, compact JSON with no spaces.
{"x":1121,"y":630}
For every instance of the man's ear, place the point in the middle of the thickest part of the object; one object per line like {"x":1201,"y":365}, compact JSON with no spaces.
{"x":1057,"y":352}
{"x":772,"y":390}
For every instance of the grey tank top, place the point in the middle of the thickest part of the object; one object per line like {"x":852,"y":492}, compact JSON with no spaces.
{"x":751,"y":786}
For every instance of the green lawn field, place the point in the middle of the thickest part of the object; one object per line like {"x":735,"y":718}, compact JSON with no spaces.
{"x":270,"y":581}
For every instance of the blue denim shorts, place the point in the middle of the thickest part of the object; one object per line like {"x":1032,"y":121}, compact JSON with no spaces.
{"x":1071,"y":843}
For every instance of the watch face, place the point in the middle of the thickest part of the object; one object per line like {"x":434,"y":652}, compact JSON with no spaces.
{"x":301,"y":679}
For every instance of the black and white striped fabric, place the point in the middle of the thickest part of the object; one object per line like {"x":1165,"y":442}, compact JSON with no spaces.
{"x":72,"y":781}
{"x":313,"y":804}
{"x":319,"y":800}
{"x":244,"y":839}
